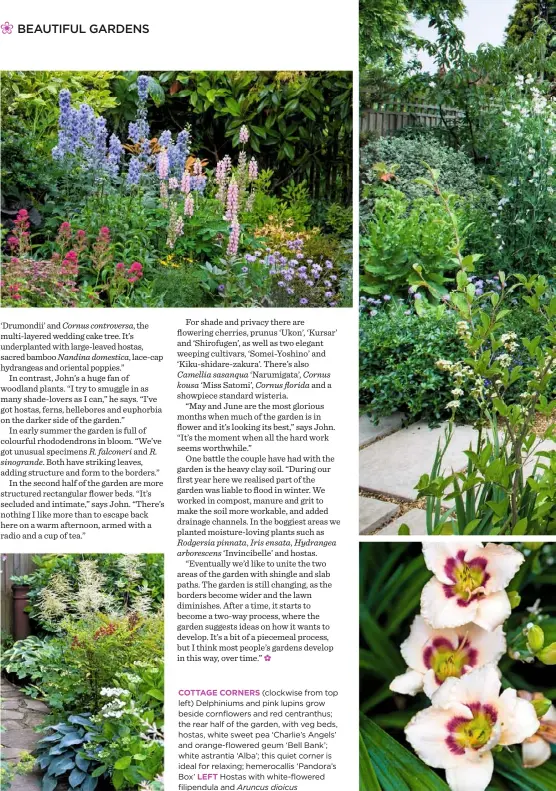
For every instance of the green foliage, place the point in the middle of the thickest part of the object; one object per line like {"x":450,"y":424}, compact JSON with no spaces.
{"x":129,"y":744}
{"x":298,"y":121}
{"x":179,"y":288}
{"x":62,"y":754}
{"x":29,"y":123}
{"x":397,"y":364}
{"x":406,"y":245}
{"x":28,"y":658}
{"x":410,"y":152}
{"x":525,"y":18}
{"x":119,"y":579}
{"x":509,"y":485}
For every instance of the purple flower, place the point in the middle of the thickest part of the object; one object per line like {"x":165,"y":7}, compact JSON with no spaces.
{"x":245,"y":269}
{"x":115,"y":150}
{"x":303,"y":301}
{"x":328,"y":294}
{"x":134,"y":171}
{"x":133,"y":132}
{"x":221,"y":288}
{"x":142,"y":87}
{"x":387,"y":297}
{"x":243,"y":135}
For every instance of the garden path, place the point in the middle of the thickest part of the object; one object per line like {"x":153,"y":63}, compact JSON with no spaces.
{"x":391,"y":461}
{"x":20,"y":715}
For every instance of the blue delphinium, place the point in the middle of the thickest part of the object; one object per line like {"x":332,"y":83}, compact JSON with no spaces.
{"x":133,"y":132}
{"x":134,"y":171}
{"x":142,"y":87}
{"x":165,"y":139}
{"x":115,"y":151}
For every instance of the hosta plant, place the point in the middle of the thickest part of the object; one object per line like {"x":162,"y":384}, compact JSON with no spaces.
{"x":62,"y":755}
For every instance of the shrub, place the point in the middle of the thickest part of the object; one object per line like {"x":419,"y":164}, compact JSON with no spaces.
{"x":178,"y":287}
{"x":406,"y":245}
{"x":397,"y":367}
{"x":458,"y":171}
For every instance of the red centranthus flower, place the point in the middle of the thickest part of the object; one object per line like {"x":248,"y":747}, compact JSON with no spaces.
{"x":469,"y":583}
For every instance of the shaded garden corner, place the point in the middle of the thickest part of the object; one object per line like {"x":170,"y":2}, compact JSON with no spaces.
{"x":20,"y":716}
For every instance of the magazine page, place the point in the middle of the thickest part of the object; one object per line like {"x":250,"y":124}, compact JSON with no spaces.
{"x":178,"y":397}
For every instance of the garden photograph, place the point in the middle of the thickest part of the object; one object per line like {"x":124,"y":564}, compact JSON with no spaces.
{"x":176,"y":189}
{"x":457,"y":655}
{"x":82,"y":663}
{"x":457,"y":247}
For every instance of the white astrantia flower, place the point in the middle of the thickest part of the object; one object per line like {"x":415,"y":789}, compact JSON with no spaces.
{"x":469,"y":583}
{"x":467,"y":719}
{"x":536,"y":749}
{"x":433,"y":655}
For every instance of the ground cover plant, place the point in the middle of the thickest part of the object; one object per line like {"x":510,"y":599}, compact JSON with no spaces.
{"x":457,"y":689}
{"x":169,"y":189}
{"x":96,"y":659}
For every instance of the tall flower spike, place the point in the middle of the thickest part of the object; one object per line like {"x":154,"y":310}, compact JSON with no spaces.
{"x":469,"y":583}
{"x":433,"y":655}
{"x":467,"y":719}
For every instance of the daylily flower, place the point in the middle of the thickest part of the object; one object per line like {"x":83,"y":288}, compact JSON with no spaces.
{"x":467,"y":719}
{"x":433,"y":655}
{"x":536,"y":749}
{"x":468,"y":583}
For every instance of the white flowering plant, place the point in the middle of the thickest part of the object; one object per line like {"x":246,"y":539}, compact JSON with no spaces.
{"x":509,"y":485}
{"x":457,"y":654}
{"x":524,"y":221}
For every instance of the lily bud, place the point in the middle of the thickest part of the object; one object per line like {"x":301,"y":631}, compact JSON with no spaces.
{"x":535,"y":639}
{"x":548,"y":655}
{"x":515,"y":599}
{"x":541,"y":706}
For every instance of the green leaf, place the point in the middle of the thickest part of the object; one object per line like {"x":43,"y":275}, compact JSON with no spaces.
{"x":367,"y":776}
{"x":404,"y":530}
{"x":396,"y":768}
{"x":233,"y":106}
{"x":156,"y":693}
{"x":123,"y":763}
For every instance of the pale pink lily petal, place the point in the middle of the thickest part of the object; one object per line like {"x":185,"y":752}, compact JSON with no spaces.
{"x":535,"y":751}
{"x":481,"y":685}
{"x":468,"y":646}
{"x":517,"y":718}
{"x":493,"y":610}
{"x":503,"y":563}
{"x":427,"y":732}
{"x":471,"y":775}
{"x":412,"y":648}
{"x":409,"y":683}
{"x":438,"y":554}
{"x":442,"y":612}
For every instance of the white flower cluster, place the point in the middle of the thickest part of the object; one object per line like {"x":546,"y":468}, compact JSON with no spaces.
{"x":460,"y":372}
{"x":452,"y":654}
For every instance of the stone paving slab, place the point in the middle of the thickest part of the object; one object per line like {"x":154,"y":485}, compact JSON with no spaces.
{"x":373,"y":514}
{"x":368,"y":432}
{"x":24,"y":739}
{"x":416,"y":520}
{"x":27,"y":782}
{"x":394,"y":465}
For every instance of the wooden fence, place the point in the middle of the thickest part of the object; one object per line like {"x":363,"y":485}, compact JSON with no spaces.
{"x":12,"y":565}
{"x":389,"y":117}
